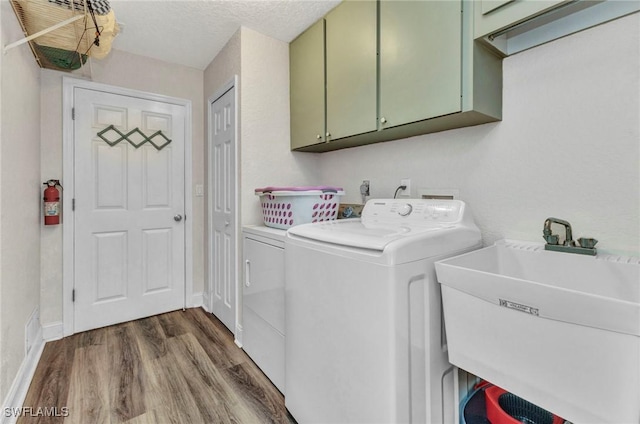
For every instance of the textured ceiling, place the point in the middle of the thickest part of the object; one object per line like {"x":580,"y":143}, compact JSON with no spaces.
{"x":192,"y":33}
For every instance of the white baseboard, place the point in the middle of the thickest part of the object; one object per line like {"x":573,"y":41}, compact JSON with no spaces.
{"x":197,"y":300}
{"x":53,"y":331}
{"x":238,"y":336}
{"x":205,"y":302}
{"x":18,"y":390}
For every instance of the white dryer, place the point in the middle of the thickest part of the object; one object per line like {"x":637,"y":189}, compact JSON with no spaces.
{"x":365,"y":339}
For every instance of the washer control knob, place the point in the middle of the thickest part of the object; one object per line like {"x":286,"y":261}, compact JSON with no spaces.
{"x":405,"y":209}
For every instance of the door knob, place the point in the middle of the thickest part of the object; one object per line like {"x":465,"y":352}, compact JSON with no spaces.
{"x":177,"y":218}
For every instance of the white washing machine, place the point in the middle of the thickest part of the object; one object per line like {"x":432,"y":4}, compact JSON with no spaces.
{"x":365,"y":339}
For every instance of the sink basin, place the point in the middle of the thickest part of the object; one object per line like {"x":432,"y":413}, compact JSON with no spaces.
{"x":558,"y":329}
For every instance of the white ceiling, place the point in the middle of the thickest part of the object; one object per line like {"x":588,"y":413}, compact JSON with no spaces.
{"x":192,"y":33}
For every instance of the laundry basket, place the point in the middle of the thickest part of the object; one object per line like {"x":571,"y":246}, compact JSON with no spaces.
{"x":284,"y":207}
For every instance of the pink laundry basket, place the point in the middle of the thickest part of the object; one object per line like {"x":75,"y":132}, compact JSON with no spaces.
{"x":284,"y":207}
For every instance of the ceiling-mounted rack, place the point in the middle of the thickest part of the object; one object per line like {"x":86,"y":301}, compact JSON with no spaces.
{"x":63,"y":34}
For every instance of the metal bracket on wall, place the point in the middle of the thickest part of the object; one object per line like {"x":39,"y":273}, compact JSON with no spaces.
{"x":102,"y":134}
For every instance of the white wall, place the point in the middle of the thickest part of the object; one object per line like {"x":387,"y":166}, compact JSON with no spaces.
{"x":135,"y":72}
{"x":20,"y":191}
{"x":223,"y":67}
{"x":262,"y":65}
{"x":220,"y":71}
{"x":3,"y":390}
{"x":266,"y":158}
{"x":568,"y":146}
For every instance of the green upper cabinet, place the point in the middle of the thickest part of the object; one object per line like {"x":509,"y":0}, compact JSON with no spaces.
{"x":392,"y":69}
{"x":420,"y":60}
{"x":333,"y":71}
{"x":306,"y":61}
{"x":351,"y":60}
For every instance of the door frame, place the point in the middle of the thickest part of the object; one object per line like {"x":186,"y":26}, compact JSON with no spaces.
{"x":231,"y":84}
{"x":68,"y":231}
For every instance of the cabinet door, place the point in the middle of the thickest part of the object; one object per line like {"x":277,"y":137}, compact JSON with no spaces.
{"x":263,"y":290}
{"x":493,"y":15}
{"x":488,"y":6}
{"x":306,"y":62}
{"x":263,"y":308}
{"x":351,"y":35}
{"x":420,"y":60}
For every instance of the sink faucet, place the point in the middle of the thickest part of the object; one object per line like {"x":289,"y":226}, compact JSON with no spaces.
{"x":586,"y":245}
{"x":552,"y":238}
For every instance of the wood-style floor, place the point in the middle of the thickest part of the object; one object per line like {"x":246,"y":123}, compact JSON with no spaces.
{"x":180,"y":367}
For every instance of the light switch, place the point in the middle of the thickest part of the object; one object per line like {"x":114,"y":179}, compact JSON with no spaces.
{"x":199,"y":190}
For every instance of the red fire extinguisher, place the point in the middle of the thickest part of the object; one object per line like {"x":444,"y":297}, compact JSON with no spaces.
{"x":52,"y":202}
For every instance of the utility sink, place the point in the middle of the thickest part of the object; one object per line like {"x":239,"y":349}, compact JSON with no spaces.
{"x":558,"y":329}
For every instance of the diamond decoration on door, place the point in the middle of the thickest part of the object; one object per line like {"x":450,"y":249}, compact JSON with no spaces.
{"x":112,"y":136}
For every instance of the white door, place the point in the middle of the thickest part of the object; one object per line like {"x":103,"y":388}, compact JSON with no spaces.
{"x":129,"y":205}
{"x":223,"y":214}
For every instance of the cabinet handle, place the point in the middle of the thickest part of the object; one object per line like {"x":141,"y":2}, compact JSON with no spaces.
{"x":247,"y":268}
{"x":319,"y":137}
{"x":328,"y":134}
{"x":383,"y":120}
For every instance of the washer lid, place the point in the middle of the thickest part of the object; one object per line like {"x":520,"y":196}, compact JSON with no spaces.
{"x":385,"y":221}
{"x":353,"y":233}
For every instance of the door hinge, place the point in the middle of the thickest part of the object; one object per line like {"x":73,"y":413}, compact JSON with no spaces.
{"x":73,"y":295}
{"x":73,"y":113}
{"x":73,"y":204}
